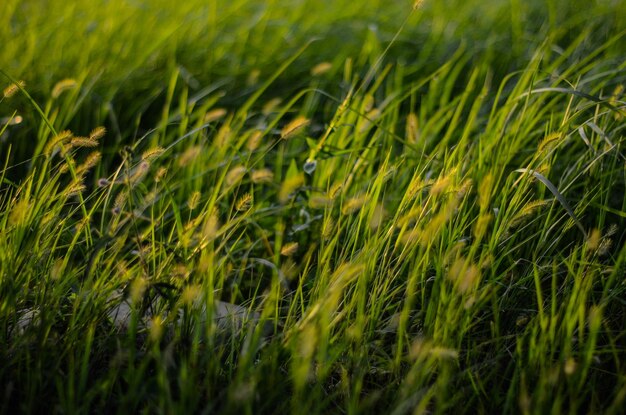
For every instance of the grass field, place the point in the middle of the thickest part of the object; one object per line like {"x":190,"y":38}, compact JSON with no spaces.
{"x":313,"y":206}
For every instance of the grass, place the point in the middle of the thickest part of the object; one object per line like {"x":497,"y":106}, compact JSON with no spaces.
{"x":311,"y":206}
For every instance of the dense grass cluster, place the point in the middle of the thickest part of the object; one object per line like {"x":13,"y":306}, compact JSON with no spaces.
{"x":312,"y":206}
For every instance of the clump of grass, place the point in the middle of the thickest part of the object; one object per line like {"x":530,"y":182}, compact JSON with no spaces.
{"x":282,"y":226}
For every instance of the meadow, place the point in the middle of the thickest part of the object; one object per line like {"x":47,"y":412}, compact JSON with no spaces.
{"x":313,"y":206}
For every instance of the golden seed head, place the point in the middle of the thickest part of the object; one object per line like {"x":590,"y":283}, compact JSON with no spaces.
{"x":255,"y":140}
{"x":137,"y":290}
{"x":138,"y":173}
{"x":550,"y":141}
{"x":294,"y":127}
{"x":320,"y":202}
{"x":91,"y":160}
{"x":157,"y":325}
{"x":97,"y":133}
{"x":420,"y":349}
{"x":412,"y":130}
{"x":521,"y":320}
{"x":84,"y":142}
{"x":412,"y":215}
{"x":321,"y":68}
{"x":194,"y":200}
{"x":160,"y":174}
{"x":59,"y":140}
{"x":12,"y":89}
{"x":411,"y":237}
{"x":262,"y":176}
{"x":189,"y":155}
{"x":594,"y":240}
{"x":19,"y":212}
{"x":56,"y":272}
{"x":223,"y":136}
{"x":151,"y":154}
{"x":464,"y":275}
{"x":271,"y":106}
{"x":244,"y":203}
{"x":414,"y":187}
{"x":328,"y":228}
{"x":253,"y":77}
{"x":289,"y":249}
{"x":463,"y":188}
{"x":235,"y":175}
{"x":378,"y":216}
{"x":214,"y":115}
{"x":74,"y":189}
{"x":570,"y":366}
{"x":120,"y":201}
{"x":191,"y":294}
{"x":150,"y":198}
{"x":605,"y":246}
{"x":211,"y":227}
{"x":353,"y":204}
{"x":366,"y":122}
{"x":64,"y":168}
{"x":62,"y":86}
{"x":417,"y":4}
{"x":485,"y":188}
{"x":289,"y":268}
{"x":335,"y":190}
{"x":526,"y":212}
{"x":482,"y":224}
{"x":440,"y":185}
{"x":180,"y":271}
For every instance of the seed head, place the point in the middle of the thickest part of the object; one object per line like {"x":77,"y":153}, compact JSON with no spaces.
{"x":19,"y":212}
{"x":157,"y":326}
{"x":271,"y":106}
{"x":91,"y":160}
{"x":294,"y":127}
{"x":550,"y":141}
{"x":63,"y":86}
{"x":244,"y":203}
{"x":353,"y":204}
{"x":289,"y":249}
{"x":75,"y":188}
{"x":378,"y":217}
{"x":328,"y":228}
{"x":59,"y":140}
{"x":12,"y":89}
{"x":211,"y":227}
{"x":412,"y":131}
{"x":193,"y":201}
{"x":320,"y":202}
{"x":191,"y":294}
{"x":255,"y":140}
{"x":151,"y":154}
{"x":189,"y":155}
{"x":97,"y":133}
{"x":235,"y":175}
{"x":214,"y":115}
{"x":160,"y":174}
{"x":84,"y":142}
{"x":321,"y":68}
{"x":262,"y":176}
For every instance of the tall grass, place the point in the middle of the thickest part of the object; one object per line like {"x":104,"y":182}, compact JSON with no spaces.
{"x":312,"y":206}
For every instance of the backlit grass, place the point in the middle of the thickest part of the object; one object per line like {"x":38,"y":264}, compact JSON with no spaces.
{"x":312,"y":206}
